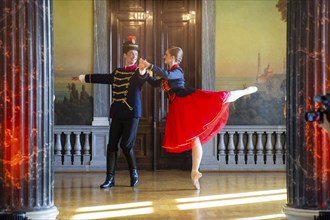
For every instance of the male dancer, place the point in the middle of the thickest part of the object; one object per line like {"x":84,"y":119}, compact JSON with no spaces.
{"x":125,"y":110}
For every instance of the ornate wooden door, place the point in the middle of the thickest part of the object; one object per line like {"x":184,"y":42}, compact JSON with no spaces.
{"x":157,"y":26}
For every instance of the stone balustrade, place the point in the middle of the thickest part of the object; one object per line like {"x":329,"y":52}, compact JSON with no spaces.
{"x":238,"y":148}
{"x":252,"y":148}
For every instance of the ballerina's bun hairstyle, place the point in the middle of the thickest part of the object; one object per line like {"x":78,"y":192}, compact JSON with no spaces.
{"x":130,"y":44}
{"x":177,"y":52}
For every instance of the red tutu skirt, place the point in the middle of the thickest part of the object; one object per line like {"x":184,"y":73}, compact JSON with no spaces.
{"x":201,"y":114}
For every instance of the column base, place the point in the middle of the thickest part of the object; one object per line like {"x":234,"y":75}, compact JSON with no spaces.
{"x":300,"y":214}
{"x":43,"y":214}
{"x":100,"y":121}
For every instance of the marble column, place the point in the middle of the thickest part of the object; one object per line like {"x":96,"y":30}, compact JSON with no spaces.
{"x":308,"y":74}
{"x":26,"y":108}
{"x":102,"y":63}
{"x":210,"y":151}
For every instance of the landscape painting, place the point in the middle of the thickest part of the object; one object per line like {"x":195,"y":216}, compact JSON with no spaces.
{"x":73,"y":55}
{"x":251,"y":50}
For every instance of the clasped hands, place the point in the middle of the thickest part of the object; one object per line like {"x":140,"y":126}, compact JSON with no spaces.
{"x":143,"y":64}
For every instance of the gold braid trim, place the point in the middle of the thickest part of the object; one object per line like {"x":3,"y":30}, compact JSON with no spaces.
{"x":125,"y":78}
{"x":123,"y":92}
{"x":121,"y":85}
{"x":123,"y":101}
{"x":125,"y":73}
{"x":151,"y":73}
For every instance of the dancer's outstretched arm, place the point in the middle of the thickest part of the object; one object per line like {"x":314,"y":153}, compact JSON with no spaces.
{"x":236,"y":94}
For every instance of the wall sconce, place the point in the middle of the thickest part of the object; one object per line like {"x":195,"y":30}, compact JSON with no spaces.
{"x":189,"y":16}
{"x":139,"y":15}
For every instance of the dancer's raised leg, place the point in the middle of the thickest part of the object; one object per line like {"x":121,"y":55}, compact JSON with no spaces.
{"x":197,"y":153}
{"x":236,"y":94}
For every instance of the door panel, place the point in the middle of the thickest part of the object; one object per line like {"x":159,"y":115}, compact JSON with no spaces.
{"x":131,"y":18}
{"x":157,"y":26}
{"x":176,"y":26}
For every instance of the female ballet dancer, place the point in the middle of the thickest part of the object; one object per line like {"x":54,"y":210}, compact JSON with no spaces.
{"x":194,"y":116}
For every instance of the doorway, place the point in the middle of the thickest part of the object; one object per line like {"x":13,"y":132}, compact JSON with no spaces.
{"x":157,"y":25}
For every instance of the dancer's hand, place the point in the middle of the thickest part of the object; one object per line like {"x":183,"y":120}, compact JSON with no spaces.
{"x":143,"y":64}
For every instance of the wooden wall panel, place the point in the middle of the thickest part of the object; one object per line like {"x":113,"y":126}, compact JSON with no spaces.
{"x":176,"y":26}
{"x":131,"y":18}
{"x":174,"y":6}
{"x":131,"y":5}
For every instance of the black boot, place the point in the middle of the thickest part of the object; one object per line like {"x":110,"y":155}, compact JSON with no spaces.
{"x":130,"y":157}
{"x":111,"y":167}
{"x":134,"y":177}
{"x":109,"y":181}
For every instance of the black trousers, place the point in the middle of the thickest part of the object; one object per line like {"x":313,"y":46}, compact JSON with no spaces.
{"x":123,"y":130}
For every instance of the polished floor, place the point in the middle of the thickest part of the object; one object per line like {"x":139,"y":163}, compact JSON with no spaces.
{"x":169,"y":194}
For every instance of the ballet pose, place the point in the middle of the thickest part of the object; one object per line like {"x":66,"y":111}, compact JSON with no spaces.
{"x":125,"y":110}
{"x":195,"y":116}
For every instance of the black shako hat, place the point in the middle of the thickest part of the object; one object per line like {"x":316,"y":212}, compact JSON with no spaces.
{"x":130,"y":44}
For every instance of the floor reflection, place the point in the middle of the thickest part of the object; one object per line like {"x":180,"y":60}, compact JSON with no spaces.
{"x":170,"y":195}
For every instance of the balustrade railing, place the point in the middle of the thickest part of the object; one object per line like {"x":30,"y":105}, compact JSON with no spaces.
{"x":73,"y":145}
{"x":238,"y":147}
{"x":252,"y":147}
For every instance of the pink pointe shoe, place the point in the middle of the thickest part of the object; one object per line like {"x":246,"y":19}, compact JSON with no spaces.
{"x":195,"y":176}
{"x":251,"y":89}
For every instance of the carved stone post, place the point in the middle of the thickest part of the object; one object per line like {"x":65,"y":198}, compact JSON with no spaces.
{"x":26,"y":109}
{"x":101,"y":62}
{"x":210,"y":151}
{"x":308,"y":73}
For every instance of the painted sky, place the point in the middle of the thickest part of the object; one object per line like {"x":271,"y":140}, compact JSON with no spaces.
{"x":73,"y":41}
{"x":244,"y":28}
